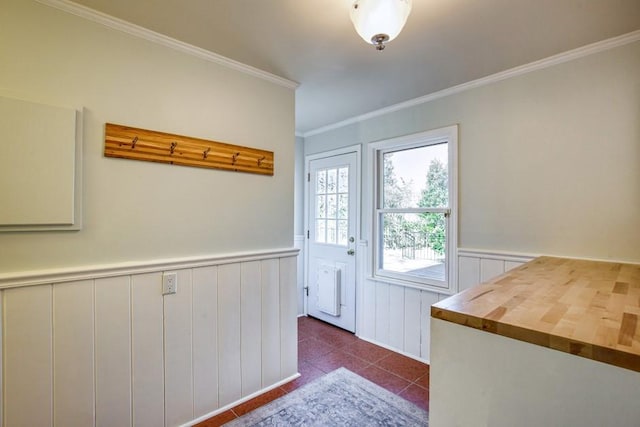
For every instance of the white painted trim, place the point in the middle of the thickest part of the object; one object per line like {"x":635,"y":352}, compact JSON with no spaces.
{"x":152,"y":36}
{"x":497,"y":255}
{"x":525,"y":256}
{"x":450,"y":134}
{"x":394,"y":349}
{"x":560,"y":58}
{"x":40,"y":277}
{"x":237,"y":402}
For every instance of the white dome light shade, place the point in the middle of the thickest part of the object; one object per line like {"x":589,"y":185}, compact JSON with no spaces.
{"x":379,"y":21}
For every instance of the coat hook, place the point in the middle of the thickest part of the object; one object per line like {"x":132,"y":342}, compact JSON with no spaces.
{"x":260,"y":161}
{"x":173,"y":147}
{"x":234,"y":158}
{"x":204,"y":154}
{"x":134,"y":142}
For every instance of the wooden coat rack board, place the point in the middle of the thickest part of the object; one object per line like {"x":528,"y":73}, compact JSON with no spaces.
{"x":141,"y":144}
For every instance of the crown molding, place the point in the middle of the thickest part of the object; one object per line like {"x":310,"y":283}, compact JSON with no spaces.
{"x":152,"y":36}
{"x":513,"y":72}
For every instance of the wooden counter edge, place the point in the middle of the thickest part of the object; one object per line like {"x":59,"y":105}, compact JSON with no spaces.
{"x":594,"y":352}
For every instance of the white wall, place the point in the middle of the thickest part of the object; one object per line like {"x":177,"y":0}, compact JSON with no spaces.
{"x":548,"y":161}
{"x":88,"y":338}
{"x":548,"y":164}
{"x":138,"y":211}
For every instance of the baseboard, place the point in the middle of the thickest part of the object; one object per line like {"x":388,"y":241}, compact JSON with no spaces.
{"x":240,"y":401}
{"x":395,"y":350}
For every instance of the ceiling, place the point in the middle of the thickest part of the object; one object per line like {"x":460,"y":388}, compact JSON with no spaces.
{"x":444,"y":43}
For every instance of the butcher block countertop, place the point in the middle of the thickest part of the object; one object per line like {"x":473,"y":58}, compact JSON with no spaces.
{"x":585,"y":308}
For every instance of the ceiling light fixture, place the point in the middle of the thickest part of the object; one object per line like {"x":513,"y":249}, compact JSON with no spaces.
{"x":379,"y":21}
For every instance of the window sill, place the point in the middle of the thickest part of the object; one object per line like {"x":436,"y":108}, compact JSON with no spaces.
{"x":413,"y":285}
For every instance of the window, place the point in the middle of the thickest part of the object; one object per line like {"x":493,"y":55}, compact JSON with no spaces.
{"x":414,"y":209}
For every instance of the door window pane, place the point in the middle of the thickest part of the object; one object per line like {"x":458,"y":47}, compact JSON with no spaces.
{"x":332,"y":178}
{"x":343,"y":180}
{"x":332,"y":204}
{"x":331,"y":231}
{"x":321,"y":182}
{"x":321,"y":226}
{"x":321,"y":206}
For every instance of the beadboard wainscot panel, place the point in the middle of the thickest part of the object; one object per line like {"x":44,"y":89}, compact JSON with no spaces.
{"x":270,"y":272}
{"x":229,"y":333}
{"x":412,"y":318}
{"x":147,"y":340}
{"x":288,"y":316}
{"x":298,"y":243}
{"x":205,"y":339}
{"x":27,"y":370}
{"x":178,"y":352}
{"x":113,"y":351}
{"x":398,"y":317}
{"x":251,"y":313}
{"x":427,"y":299}
{"x":102,"y":346}
{"x":382,"y":320}
{"x":476,"y":266}
{"x":73,"y":356}
{"x":397,"y":308}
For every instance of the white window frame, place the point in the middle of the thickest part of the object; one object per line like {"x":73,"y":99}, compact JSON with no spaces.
{"x":449,"y":135}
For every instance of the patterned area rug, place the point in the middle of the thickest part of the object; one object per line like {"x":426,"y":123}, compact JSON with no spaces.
{"x":340,"y":398}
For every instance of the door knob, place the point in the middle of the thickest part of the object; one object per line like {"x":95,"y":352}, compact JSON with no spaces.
{"x":351,"y":252}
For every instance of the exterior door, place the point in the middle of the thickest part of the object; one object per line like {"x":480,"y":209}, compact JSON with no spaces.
{"x":332,"y":213}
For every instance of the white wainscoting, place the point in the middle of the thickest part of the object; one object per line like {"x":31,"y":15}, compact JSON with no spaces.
{"x":477,"y":266}
{"x":111,"y":350}
{"x":399,"y":317}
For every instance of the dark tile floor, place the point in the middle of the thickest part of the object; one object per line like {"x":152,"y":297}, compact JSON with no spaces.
{"x":323,"y":348}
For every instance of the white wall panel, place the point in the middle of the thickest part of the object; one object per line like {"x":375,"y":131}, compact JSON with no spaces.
{"x":229,"y":370}
{"x":251,"y":329}
{"x":412,"y":321}
{"x":178,"y":368}
{"x":147,"y":342}
{"x":113,"y":351}
{"x":270,"y":278}
{"x":490,"y":268}
{"x":298,"y":243}
{"x":27,"y":371}
{"x":468,"y":272}
{"x":427,"y":299}
{"x":382,"y":313}
{"x":73,"y":385}
{"x":288,"y":323}
{"x":399,"y":317}
{"x":367,"y":327}
{"x":508,"y":265}
{"x":205,"y":340}
{"x":396,"y":316}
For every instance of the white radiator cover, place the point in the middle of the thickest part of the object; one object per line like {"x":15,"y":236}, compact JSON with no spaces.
{"x":329,"y":289}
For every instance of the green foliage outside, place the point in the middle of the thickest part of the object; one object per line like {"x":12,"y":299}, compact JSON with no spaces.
{"x":427,"y":230}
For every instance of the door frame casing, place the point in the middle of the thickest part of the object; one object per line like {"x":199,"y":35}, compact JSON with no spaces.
{"x":357,"y":149}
